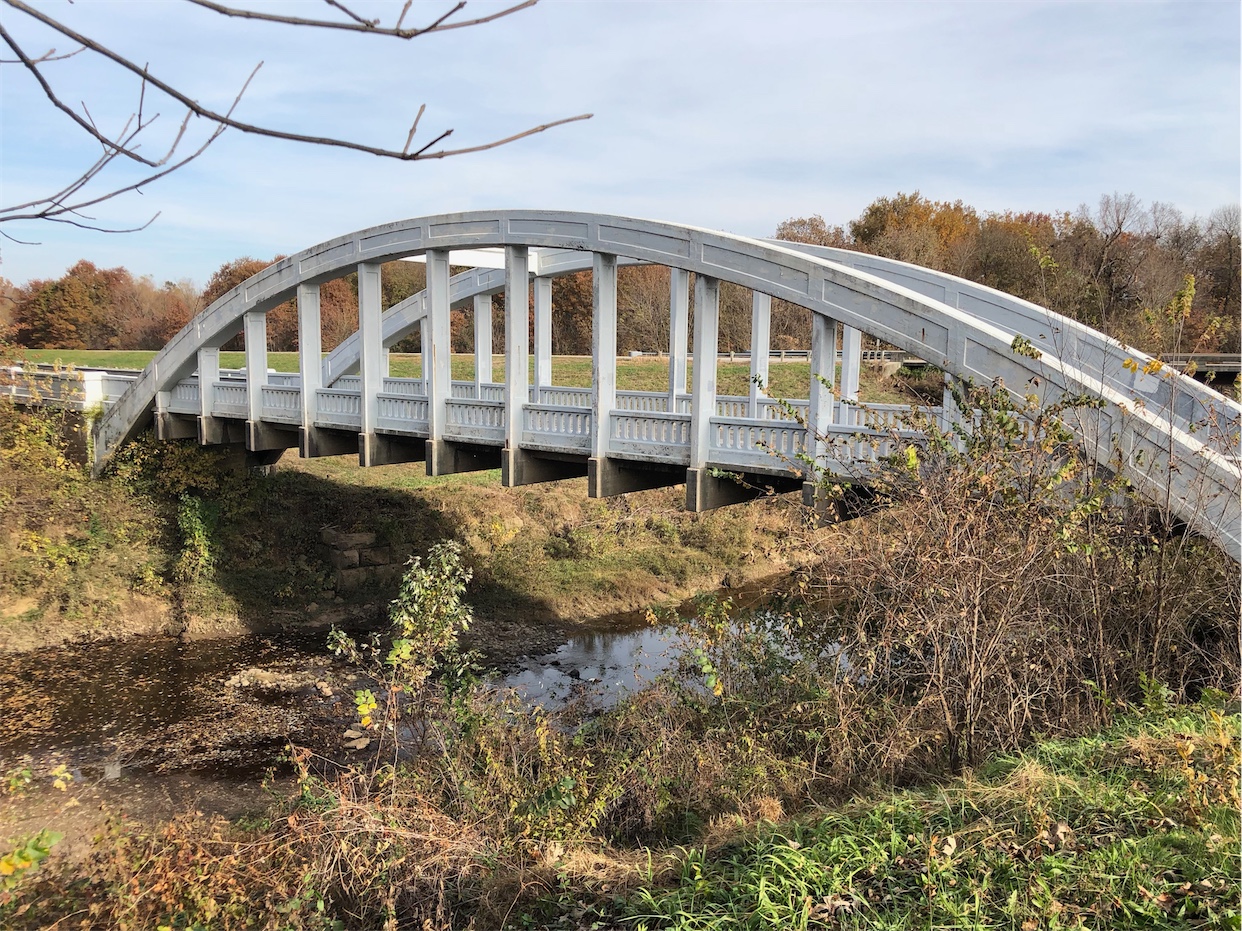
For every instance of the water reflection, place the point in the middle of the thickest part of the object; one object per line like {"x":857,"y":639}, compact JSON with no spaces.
{"x":603,"y":664}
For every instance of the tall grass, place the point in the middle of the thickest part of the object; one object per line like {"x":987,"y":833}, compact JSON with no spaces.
{"x":1008,"y":601}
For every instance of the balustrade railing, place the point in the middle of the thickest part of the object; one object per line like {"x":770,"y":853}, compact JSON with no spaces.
{"x":645,"y":401}
{"x":281,"y":403}
{"x":652,"y":437}
{"x":468,"y":390}
{"x":475,"y":421}
{"x":229,"y":399}
{"x":115,"y":385}
{"x":549,"y":426}
{"x":338,"y":408}
{"x":563,"y":397}
{"x":184,"y":397}
{"x":408,"y":387}
{"x":399,"y":413}
{"x":763,"y":437}
{"x":755,"y":444}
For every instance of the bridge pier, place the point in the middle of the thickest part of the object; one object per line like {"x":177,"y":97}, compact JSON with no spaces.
{"x":262,"y":437}
{"x":851,"y":502}
{"x":175,"y":427}
{"x":608,"y":477}
{"x":315,"y":442}
{"x":221,"y":431}
{"x":448,"y":458}
{"x":706,"y":492}
{"x":520,"y":467}
{"x":377,"y":449}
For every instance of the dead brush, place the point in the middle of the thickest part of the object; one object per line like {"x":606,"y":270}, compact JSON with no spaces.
{"x":388,"y":854}
{"x":1011,"y":590}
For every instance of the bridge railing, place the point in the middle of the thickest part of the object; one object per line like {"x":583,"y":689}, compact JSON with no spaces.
{"x":651,"y":436}
{"x":281,"y":403}
{"x":556,"y":428}
{"x":402,"y":414}
{"x":230,"y":399}
{"x":475,"y":421}
{"x":758,"y":445}
{"x":339,"y":408}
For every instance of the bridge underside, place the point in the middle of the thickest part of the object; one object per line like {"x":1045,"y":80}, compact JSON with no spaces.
{"x":1176,"y":439}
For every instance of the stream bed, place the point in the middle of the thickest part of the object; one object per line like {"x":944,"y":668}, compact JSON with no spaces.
{"x":226,"y":708}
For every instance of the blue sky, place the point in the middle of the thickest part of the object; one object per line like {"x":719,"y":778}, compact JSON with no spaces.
{"x":731,"y":115}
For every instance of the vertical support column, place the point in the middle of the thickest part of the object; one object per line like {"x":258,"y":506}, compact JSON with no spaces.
{"x":210,"y":429}
{"x":310,"y":364}
{"x":517,"y":360}
{"x":760,"y":345}
{"x":706,"y":342}
{"x":255,"y":329}
{"x":603,"y":350}
{"x":543,"y":335}
{"x":482,"y":342}
{"x":851,"y":364}
{"x":375,"y":449}
{"x":370,"y":359}
{"x":678,"y":333}
{"x":259,"y":436}
{"x":437,"y":378}
{"x":424,"y":351}
{"x":704,"y":491}
{"x":606,"y":477}
{"x":821,"y":404}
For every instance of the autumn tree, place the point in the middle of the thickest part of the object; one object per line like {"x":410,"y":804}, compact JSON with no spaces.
{"x":1121,"y":266}
{"x":813,"y":231}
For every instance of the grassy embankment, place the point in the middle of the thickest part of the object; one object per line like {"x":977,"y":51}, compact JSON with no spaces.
{"x":1135,"y":827}
{"x":1007,"y":595}
{"x":224,"y":551}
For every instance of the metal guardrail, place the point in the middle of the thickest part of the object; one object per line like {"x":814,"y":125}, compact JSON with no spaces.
{"x":1226,"y":363}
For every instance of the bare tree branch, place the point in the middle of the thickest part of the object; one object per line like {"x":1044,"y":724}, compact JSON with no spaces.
{"x":251,"y":128}
{"x":49,"y":55}
{"x":64,"y":207}
{"x":20,"y":242}
{"x":61,"y":105}
{"x":369,"y":26}
{"x":445,"y":153}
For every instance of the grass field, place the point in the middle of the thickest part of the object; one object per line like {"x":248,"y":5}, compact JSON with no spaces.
{"x":787,"y":379}
{"x":1136,"y":827}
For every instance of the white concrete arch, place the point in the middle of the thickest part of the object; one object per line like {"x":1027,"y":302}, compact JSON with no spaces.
{"x":957,"y":326}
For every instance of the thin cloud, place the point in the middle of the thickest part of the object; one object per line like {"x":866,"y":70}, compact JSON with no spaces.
{"x":733,"y":116}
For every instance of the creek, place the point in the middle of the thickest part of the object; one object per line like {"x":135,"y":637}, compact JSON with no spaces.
{"x":225,"y":708}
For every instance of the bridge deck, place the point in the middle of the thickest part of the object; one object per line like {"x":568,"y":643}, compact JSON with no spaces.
{"x":757,"y":436}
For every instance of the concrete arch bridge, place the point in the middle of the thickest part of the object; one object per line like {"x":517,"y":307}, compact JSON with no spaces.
{"x":1177,"y":439}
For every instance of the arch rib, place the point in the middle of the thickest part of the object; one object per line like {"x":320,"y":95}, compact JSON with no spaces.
{"x":1162,"y":430}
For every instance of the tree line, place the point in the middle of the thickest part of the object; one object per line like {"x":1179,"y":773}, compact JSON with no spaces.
{"x":1147,"y":275}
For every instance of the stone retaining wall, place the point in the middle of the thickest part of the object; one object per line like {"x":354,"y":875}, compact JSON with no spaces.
{"x":358,"y":560}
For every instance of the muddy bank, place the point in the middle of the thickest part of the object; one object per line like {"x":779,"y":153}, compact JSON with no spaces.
{"x":524,"y":624}
{"x":146,"y":729}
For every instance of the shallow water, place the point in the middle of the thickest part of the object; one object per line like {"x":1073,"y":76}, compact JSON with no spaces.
{"x":604,"y":664}
{"x":94,"y":703}
{"x":94,"y":699}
